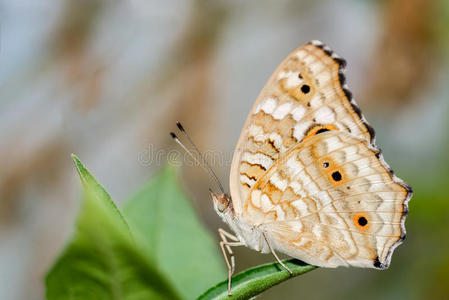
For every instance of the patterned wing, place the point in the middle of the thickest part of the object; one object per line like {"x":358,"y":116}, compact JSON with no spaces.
{"x":331,"y":202}
{"x":305,"y":95}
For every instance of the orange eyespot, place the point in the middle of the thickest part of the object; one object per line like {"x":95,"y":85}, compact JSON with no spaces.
{"x":361,"y":221}
{"x":336,"y":176}
{"x":303,"y":91}
{"x":305,"y":88}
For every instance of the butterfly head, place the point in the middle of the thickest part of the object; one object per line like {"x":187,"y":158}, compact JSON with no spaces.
{"x":222,"y":202}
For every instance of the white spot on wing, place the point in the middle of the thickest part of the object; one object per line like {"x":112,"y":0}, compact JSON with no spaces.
{"x":300,"y":206}
{"x":282,"y":75}
{"x":257,"y":132}
{"x":298,"y":112}
{"x":325,"y":115}
{"x":255,"y":197}
{"x":316,"y":67}
{"x":296,"y":187}
{"x":316,"y":102}
{"x":279,"y":212}
{"x":317,"y":43}
{"x":266,"y":203}
{"x":278,"y":182}
{"x":301,"y":54}
{"x":257,"y":159}
{"x":259,"y":136}
{"x":245,"y":179}
{"x":299,"y":130}
{"x":294,"y":166}
{"x":269,"y":105}
{"x":277,"y":141}
{"x":282,"y":110}
{"x":309,"y":59}
{"x":293,"y":80}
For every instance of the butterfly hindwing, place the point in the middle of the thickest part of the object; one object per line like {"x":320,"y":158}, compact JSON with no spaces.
{"x":331,"y":201}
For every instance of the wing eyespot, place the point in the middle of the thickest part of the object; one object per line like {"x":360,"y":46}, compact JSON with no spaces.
{"x":362,"y":221}
{"x":305,"y":88}
{"x":336,"y":176}
{"x":317,"y":129}
{"x":321,"y":130}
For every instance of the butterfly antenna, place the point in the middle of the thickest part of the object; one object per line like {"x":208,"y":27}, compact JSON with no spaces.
{"x":204,"y":164}
{"x":177,"y":140}
{"x":173,"y":135}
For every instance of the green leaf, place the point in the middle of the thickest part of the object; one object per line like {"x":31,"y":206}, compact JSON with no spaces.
{"x":102,"y":260}
{"x":163,"y":220}
{"x":254,"y":281}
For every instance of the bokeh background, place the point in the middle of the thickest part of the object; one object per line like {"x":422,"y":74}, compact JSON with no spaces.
{"x":108,"y":79}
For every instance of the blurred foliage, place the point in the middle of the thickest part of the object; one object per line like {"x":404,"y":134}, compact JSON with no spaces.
{"x":165,"y":254}
{"x":163,"y":220}
{"x":102,"y":260}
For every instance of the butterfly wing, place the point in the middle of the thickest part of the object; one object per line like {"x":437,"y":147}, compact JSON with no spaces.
{"x":307,"y":171}
{"x":305,"y":95}
{"x":331,"y":201}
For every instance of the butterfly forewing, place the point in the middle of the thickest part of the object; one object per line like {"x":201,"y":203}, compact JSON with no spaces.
{"x":305,"y":95}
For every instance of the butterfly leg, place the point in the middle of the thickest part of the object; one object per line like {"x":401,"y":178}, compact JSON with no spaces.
{"x":225,"y":246}
{"x":224,"y":236}
{"x":275,"y":255}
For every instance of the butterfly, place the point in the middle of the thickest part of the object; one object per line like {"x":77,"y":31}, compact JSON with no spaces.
{"x":306,"y":178}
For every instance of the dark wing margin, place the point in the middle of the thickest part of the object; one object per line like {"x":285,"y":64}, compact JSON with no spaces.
{"x":409,"y":192}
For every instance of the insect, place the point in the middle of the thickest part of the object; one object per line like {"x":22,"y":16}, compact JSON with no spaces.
{"x":307,"y":179}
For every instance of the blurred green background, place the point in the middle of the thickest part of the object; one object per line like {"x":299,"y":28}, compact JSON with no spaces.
{"x":108,"y":79}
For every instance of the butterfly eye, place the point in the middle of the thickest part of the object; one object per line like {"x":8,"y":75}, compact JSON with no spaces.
{"x":336,"y":176}
{"x":362,"y":221}
{"x":305,"y":88}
